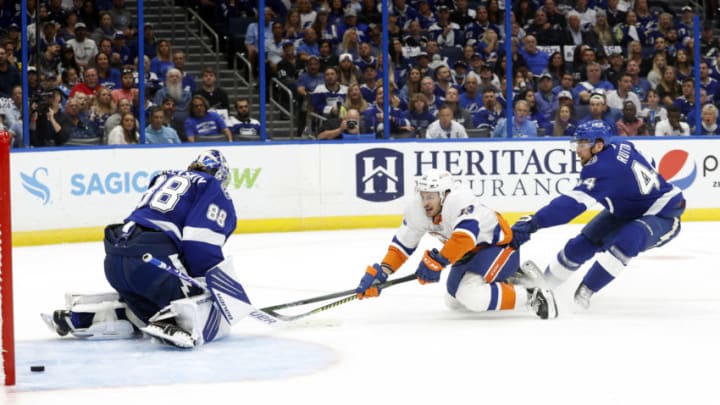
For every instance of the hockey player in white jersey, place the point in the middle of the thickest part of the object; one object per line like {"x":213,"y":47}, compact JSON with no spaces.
{"x":474,"y":241}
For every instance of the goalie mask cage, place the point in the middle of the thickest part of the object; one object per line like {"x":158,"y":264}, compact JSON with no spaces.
{"x":7,"y":339}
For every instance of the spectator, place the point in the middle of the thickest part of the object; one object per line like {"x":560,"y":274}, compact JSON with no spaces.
{"x":616,"y":98}
{"x":709,"y":123}
{"x":709,"y":84}
{"x":293,"y":29}
{"x":522,"y":127}
{"x":287,"y":70}
{"x":562,"y":125}
{"x":630,"y":30}
{"x":443,"y":81}
{"x":274,"y":47}
{"x":603,"y":30}
{"x":70,"y":124}
{"x":126,"y":90}
{"x":326,"y":30}
{"x":126,"y":133}
{"x":419,"y":116}
{"x":444,"y":31}
{"x":365,"y":57}
{"x":427,"y":87}
{"x":89,"y":14}
{"x":103,"y":107}
{"x":615,"y":69}
{"x":162,"y":62}
{"x":350,"y":44}
{"x":471,"y":99}
{"x":121,"y":18}
{"x":654,"y":112}
{"x":575,"y":34}
{"x":687,"y":101}
{"x":173,"y":120}
{"x":544,"y":97}
{"x":668,"y":88}
{"x":445,"y":126}
{"x":174,"y":89}
{"x":542,"y":32}
{"x":536,"y":60}
{"x":335,"y":127}
{"x":630,"y":124}
{"x":672,"y":126}
{"x":356,"y":99}
{"x":490,"y":112}
{"x":614,"y":14}
{"x":157,"y":132}
{"x":120,"y":53}
{"x":85,"y":48}
{"x":107,"y":76}
{"x":556,"y":68}
{"x":105,"y":29}
{"x":348,"y":73}
{"x":152,"y":82}
{"x":90,"y":84}
{"x":243,"y":125}
{"x":49,"y":35}
{"x":327,"y":98}
{"x":684,"y":64}
{"x":308,"y":45}
{"x":124,"y":106}
{"x":373,"y":118}
{"x":656,"y":72}
{"x":460,"y":115}
{"x":535,"y":114}
{"x":252,"y":41}
{"x":216,"y":96}
{"x":68,"y":80}
{"x":327,"y":57}
{"x":462,"y":15}
{"x":306,"y":84}
{"x":202,"y":122}
{"x":188,"y":81}
{"x":9,"y":75}
{"x":583,"y":91}
{"x":640,"y":85}
{"x":600,"y":111}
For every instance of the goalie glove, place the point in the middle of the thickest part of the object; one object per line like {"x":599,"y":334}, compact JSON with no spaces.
{"x":430,"y":266}
{"x":522,"y":229}
{"x":374,"y":275}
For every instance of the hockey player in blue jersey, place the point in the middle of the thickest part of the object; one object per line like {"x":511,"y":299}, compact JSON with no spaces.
{"x":184,"y":218}
{"x":641,"y":211}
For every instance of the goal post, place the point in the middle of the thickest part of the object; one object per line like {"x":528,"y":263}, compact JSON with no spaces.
{"x":7,"y":339}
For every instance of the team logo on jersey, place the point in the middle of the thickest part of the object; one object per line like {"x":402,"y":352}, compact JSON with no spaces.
{"x":676,"y":168}
{"x":379,"y":175}
{"x":35,"y":186}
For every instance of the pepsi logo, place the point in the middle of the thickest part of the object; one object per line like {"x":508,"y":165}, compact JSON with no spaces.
{"x":676,"y":168}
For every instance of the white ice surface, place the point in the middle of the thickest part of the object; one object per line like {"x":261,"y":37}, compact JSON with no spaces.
{"x":651,"y":337}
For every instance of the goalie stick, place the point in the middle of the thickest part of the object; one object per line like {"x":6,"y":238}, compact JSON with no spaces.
{"x":220,"y":283}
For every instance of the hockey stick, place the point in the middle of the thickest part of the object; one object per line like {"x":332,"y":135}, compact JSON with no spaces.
{"x":337,"y":294}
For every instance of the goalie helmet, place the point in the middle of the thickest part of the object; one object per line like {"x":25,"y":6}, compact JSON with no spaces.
{"x":435,"y":180}
{"x":213,"y":162}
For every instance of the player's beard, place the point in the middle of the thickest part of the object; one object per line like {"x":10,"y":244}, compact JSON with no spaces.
{"x":175,"y":91}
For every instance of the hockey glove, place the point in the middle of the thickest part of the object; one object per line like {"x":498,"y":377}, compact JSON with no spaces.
{"x":430,"y":266}
{"x":522,"y":229}
{"x":374,"y":275}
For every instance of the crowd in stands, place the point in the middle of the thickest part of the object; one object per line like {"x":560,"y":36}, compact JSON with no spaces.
{"x":83,"y":84}
{"x":627,"y":62}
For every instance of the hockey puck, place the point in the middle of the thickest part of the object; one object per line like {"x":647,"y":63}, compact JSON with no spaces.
{"x":37,"y":369}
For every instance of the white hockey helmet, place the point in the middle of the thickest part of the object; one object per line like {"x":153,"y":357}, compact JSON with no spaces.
{"x":435,"y":180}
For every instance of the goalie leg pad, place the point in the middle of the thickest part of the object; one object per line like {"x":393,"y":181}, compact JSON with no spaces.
{"x":198,"y":316}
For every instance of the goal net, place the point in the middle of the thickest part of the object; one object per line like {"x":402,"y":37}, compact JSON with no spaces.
{"x":7,"y":338}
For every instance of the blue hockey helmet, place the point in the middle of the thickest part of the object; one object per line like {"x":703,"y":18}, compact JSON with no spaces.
{"x":592,"y":131}
{"x":213,"y":162}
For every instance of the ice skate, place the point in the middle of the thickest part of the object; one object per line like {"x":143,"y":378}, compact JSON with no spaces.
{"x":59,"y":322}
{"x":170,"y":334}
{"x":528,"y":275}
{"x":583,"y":295}
{"x":542,"y":302}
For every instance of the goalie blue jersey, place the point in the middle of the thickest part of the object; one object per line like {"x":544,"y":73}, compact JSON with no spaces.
{"x":622,"y":181}
{"x":192,"y":208}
